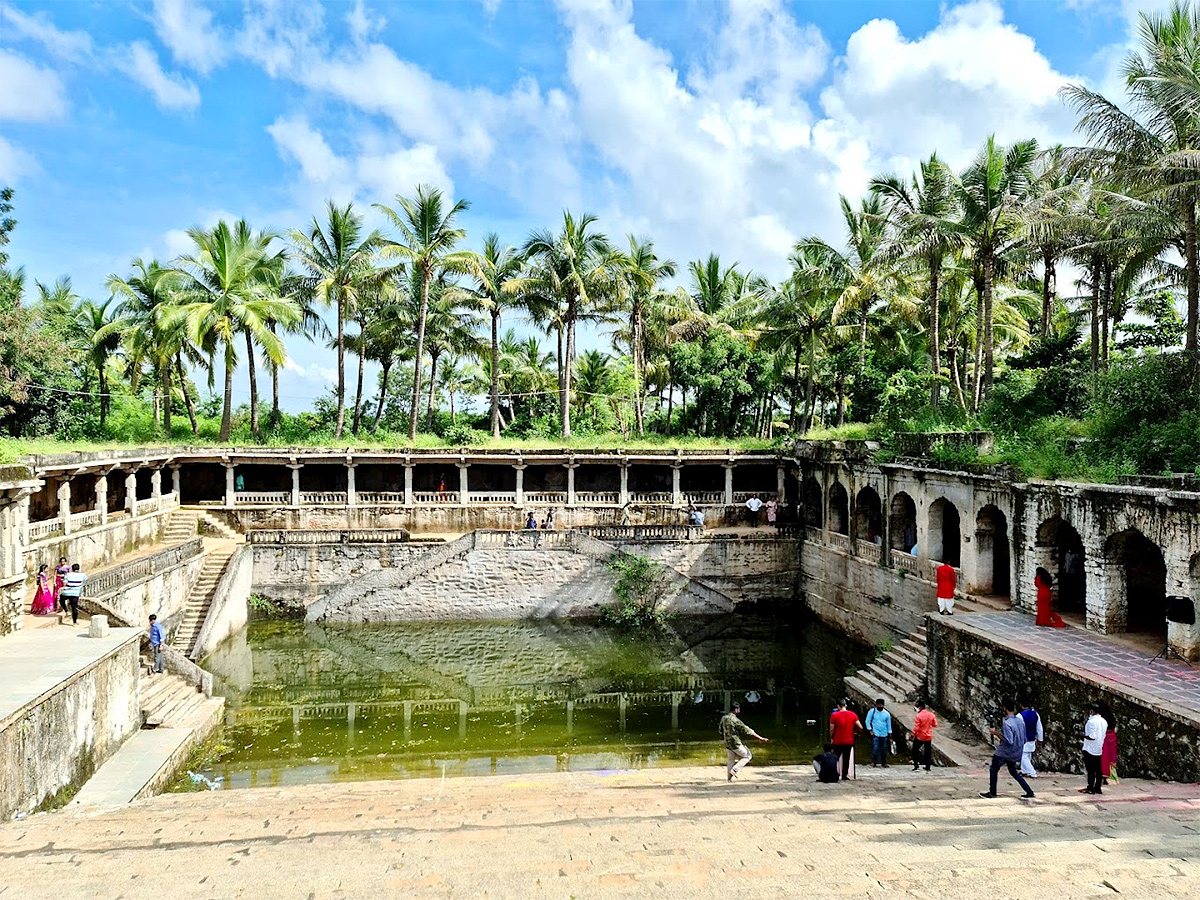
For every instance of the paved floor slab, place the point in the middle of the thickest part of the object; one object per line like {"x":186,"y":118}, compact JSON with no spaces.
{"x":36,"y":662}
{"x":650,"y":833}
{"x":131,"y":768}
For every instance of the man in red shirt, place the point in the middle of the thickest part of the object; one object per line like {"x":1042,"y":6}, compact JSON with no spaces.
{"x":843,"y":727}
{"x":922,"y":737}
{"x":946,"y":582}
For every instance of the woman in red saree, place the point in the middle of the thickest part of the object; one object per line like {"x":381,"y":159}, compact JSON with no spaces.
{"x":1043,"y":581}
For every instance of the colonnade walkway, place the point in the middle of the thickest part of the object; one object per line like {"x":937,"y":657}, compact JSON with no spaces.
{"x":1120,"y":661}
{"x":667,"y":832}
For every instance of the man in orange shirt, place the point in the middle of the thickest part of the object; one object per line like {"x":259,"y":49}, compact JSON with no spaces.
{"x":922,"y":737}
{"x":947,"y":581}
{"x":843,"y":727}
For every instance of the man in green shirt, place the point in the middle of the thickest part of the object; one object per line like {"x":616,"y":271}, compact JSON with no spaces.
{"x":732,"y":730}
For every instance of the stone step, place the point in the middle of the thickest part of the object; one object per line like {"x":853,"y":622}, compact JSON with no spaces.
{"x":906,"y":665}
{"x":886,"y":669}
{"x":897,"y":687}
{"x":912,"y":657}
{"x":179,"y":703}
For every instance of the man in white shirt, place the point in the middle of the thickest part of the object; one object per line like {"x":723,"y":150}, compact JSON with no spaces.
{"x":753,"y":505}
{"x":71,"y":589}
{"x":1094,"y":731}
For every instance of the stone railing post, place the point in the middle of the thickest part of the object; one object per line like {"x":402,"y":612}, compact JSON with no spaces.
{"x":676,"y":492}
{"x":156,"y":484}
{"x":295,"y":467}
{"x":623,"y":500}
{"x":520,"y":467}
{"x":64,"y":505}
{"x":131,"y":491}
{"x":102,"y":497}
{"x":351,"y":488}
{"x":463,"y":493}
{"x":571,"y":466}
{"x":230,"y":484}
{"x":728,"y":483}
{"x":408,"y":482}
{"x":175,"y":480}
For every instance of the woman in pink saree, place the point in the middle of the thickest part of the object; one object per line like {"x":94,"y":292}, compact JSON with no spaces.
{"x":43,"y":600}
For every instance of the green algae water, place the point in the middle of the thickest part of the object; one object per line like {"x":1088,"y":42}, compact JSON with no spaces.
{"x":308,"y":703}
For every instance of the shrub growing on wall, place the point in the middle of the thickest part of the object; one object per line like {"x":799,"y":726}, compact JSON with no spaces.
{"x":641,"y":586}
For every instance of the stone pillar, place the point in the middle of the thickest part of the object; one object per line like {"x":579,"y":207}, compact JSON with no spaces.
{"x":351,"y":489}
{"x":676,"y":493}
{"x":408,"y":480}
{"x":156,"y":484}
{"x":230,"y":490}
{"x":728,"y":483}
{"x":131,"y":492}
{"x":463,"y":492}
{"x":102,"y":497}
{"x":520,"y":499}
{"x":1107,"y":598}
{"x":175,"y":480}
{"x":295,"y":467}
{"x":623,"y":500}
{"x":780,"y":483}
{"x":571,"y":466}
{"x":64,"y":505}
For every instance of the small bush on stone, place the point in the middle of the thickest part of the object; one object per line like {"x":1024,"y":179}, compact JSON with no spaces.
{"x":640,"y":587}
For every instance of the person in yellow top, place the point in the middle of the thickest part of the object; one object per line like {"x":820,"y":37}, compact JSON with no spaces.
{"x":732,"y":730}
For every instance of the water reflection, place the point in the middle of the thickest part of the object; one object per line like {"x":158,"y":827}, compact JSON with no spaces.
{"x":308,"y":703}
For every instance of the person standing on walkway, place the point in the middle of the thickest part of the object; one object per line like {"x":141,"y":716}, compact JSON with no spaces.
{"x":72,"y":587}
{"x":772,"y":512}
{"x":1108,"y":756}
{"x":1043,"y":581}
{"x":732,"y":730}
{"x":61,"y":571}
{"x":843,"y":727}
{"x":158,"y":637}
{"x":879,"y":724}
{"x":1033,"y":734}
{"x":43,"y":600}
{"x":947,"y":581}
{"x":1008,"y":752}
{"x":1095,"y":729}
{"x":753,"y":505}
{"x":922,"y":737}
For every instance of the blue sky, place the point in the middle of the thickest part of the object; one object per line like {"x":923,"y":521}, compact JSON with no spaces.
{"x":706,"y":126}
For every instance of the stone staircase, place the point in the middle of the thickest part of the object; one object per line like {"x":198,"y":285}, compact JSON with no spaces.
{"x":168,"y":701}
{"x":186,"y":523}
{"x":218,"y":554}
{"x":897,"y":675}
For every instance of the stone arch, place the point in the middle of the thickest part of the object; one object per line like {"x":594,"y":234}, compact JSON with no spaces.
{"x":903,"y":522}
{"x":945,"y":532}
{"x":1135,"y":575}
{"x":992,"y":551}
{"x":839,"y":509}
{"x":811,"y":501}
{"x":868,"y":516}
{"x":1061,"y":553}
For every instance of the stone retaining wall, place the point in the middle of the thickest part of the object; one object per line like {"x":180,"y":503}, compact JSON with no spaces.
{"x":969,"y":675}
{"x":99,"y":545}
{"x":158,"y":584}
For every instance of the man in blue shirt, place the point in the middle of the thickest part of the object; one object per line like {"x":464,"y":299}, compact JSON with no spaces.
{"x":158,"y":637}
{"x":879,"y":723}
{"x":1008,"y":751}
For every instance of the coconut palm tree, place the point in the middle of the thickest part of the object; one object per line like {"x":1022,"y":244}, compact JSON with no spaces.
{"x":428,"y":237}
{"x":578,"y":269}
{"x":449,"y":330}
{"x":643,"y":271}
{"x":99,"y":325}
{"x":925,"y":216}
{"x":992,"y":191}
{"x":497,"y":268}
{"x":231,"y":290}
{"x":338,"y":258}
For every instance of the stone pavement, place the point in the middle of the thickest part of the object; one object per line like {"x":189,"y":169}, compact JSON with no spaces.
{"x":38,"y":661}
{"x":1162,"y":681}
{"x":649,"y":833}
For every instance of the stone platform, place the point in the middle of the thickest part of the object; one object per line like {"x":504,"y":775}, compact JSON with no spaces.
{"x":67,"y":702}
{"x":653,"y":833}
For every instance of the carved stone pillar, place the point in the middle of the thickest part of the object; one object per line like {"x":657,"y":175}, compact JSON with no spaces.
{"x":463,"y":493}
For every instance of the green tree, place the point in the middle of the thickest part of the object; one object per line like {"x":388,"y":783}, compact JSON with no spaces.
{"x":497,"y":269}
{"x":643,"y":271}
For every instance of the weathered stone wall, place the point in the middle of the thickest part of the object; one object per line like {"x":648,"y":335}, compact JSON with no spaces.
{"x":16,"y":485}
{"x":302,"y":574}
{"x":747,"y":569}
{"x":101,"y":544}
{"x":50,"y":747}
{"x":164,"y":594}
{"x":229,"y":610}
{"x":861,"y":599}
{"x":970,"y":675}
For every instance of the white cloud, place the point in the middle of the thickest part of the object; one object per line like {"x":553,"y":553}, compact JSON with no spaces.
{"x":186,"y":29}
{"x":177,"y":242}
{"x":15,"y":163}
{"x":140,"y":62}
{"x":29,"y":94}
{"x":972,"y":75}
{"x":362,"y":24}
{"x":71,"y":46}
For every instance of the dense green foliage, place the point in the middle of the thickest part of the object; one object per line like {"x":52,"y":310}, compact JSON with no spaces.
{"x":640,"y":586}
{"x":940,"y":308}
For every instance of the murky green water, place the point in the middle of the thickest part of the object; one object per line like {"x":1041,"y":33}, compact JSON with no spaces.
{"x":308,"y":703}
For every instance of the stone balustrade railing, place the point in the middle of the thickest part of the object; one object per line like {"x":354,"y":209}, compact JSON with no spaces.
{"x":641,"y":532}
{"x":600,"y":498}
{"x":838,"y":541}
{"x":507,"y":498}
{"x":262,"y":498}
{"x":380,"y":498}
{"x":660,"y":498}
{"x":323,"y":498}
{"x":40,"y":530}
{"x":869,"y":551}
{"x":552,"y":498}
{"x":90,"y":518}
{"x":84,"y":519}
{"x":705,"y":498}
{"x":905,"y":561}
{"x":310,"y":538}
{"x":443,"y":497}
{"x":108,"y":582}
{"x":522,"y":540}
